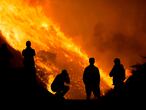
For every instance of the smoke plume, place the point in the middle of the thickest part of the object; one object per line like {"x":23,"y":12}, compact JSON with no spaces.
{"x":105,"y":29}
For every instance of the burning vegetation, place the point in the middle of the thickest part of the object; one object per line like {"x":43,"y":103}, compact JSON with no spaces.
{"x":20,"y":22}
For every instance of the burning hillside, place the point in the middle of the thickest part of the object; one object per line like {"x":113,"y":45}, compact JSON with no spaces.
{"x":20,"y":22}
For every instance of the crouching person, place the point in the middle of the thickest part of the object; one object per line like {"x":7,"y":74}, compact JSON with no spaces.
{"x":60,"y":85}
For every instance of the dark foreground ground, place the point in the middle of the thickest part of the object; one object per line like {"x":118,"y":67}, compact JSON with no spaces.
{"x":52,"y":103}
{"x":15,"y":93}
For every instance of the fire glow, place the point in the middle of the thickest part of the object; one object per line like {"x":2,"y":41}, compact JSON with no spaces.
{"x":20,"y":22}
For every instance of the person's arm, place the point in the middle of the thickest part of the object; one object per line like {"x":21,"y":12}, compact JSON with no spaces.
{"x":123,"y":73}
{"x":23,"y":53}
{"x":111,"y":72}
{"x":98,"y":75}
{"x":34,"y":53}
{"x":68,"y":79}
{"x":85,"y":76}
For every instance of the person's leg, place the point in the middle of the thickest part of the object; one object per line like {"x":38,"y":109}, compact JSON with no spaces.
{"x":96,"y":92}
{"x":119,"y":89}
{"x":88,"y":92}
{"x":58,"y":93}
{"x":65,"y":90}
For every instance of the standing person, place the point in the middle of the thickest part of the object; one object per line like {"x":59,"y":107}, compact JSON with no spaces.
{"x":60,"y":84}
{"x":28,"y":54}
{"x":91,"y":79}
{"x":118,"y":74}
{"x":29,"y":65}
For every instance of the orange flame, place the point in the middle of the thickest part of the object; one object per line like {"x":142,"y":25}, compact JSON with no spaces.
{"x":20,"y":22}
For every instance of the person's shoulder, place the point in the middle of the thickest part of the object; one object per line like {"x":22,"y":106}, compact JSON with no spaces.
{"x":58,"y":75}
{"x":23,"y":51}
{"x":122,"y":65}
{"x":96,"y":67}
{"x":87,"y":67}
{"x":32,"y":50}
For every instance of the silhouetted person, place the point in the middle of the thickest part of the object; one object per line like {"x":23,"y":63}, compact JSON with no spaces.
{"x":29,"y":65}
{"x":28,"y":54}
{"x":91,"y":79}
{"x":118,"y":74}
{"x":60,"y":84}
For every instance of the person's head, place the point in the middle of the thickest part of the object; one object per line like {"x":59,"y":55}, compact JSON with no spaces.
{"x":117,"y":61}
{"x":28,"y":44}
{"x":65,"y":76}
{"x":64,"y":72}
{"x":91,"y":61}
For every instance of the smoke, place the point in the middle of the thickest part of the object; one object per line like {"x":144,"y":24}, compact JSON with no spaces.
{"x":105,"y":29}
{"x":126,"y":38}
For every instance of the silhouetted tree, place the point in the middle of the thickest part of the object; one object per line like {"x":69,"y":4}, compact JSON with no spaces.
{"x":135,"y":84}
{"x":91,"y":79}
